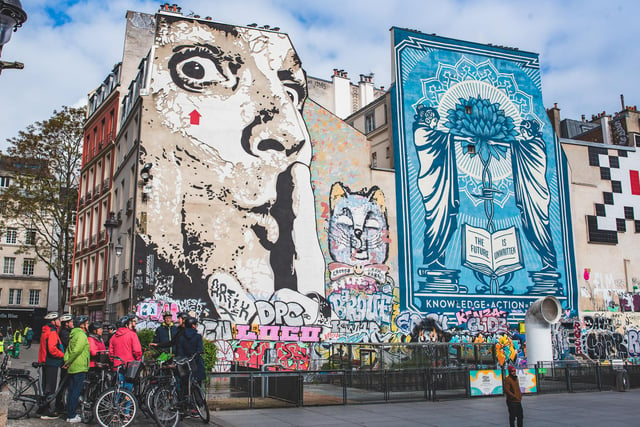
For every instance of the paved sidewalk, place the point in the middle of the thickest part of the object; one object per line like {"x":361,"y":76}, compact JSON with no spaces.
{"x":607,"y":408}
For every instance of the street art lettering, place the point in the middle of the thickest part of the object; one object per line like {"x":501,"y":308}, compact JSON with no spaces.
{"x":375,"y":307}
{"x":290,"y":356}
{"x":481,"y":209}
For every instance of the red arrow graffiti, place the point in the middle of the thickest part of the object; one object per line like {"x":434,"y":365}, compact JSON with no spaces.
{"x":194,"y":117}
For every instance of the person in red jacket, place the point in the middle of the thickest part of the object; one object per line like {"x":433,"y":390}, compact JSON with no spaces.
{"x":51,"y":355}
{"x":125,"y":344}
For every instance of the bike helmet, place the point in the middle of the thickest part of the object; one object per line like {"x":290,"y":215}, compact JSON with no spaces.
{"x":122,"y":322}
{"x":94,"y":326}
{"x":52,"y":315}
{"x":183,"y":315}
{"x":66,"y":317}
{"x":190,"y":322}
{"x":79,"y":320}
{"x":167,"y":313}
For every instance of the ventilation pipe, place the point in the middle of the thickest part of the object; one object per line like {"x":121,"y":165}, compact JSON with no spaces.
{"x":537,"y":322}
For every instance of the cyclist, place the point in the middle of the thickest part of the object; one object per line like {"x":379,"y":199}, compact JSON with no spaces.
{"x":96,"y":344}
{"x":66,"y":325}
{"x":50,"y":354}
{"x":190,"y":343}
{"x":76,"y":360}
{"x":110,"y":329}
{"x":125,"y":344}
{"x":166,"y":331}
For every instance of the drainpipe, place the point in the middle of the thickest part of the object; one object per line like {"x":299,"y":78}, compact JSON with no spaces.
{"x":538,"y":320}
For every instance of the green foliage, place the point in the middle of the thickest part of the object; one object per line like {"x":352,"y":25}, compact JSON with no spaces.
{"x":145,"y":336}
{"x":210,"y":355}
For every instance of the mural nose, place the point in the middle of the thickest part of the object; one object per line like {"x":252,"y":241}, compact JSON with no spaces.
{"x":272,"y":130}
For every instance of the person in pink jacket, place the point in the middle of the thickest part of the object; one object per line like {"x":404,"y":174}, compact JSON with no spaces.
{"x":96,"y":344}
{"x":125,"y":343}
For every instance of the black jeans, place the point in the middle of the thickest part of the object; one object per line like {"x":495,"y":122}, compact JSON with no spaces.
{"x":49,"y":382}
{"x":515,"y":411}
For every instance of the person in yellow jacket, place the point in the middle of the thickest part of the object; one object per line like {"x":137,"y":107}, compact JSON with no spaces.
{"x":17,"y":339}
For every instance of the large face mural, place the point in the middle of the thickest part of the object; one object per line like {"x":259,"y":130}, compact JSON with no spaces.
{"x":231,"y":220}
{"x":481,"y":209}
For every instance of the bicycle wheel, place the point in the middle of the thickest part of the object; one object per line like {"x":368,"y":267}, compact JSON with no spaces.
{"x":21,"y":388}
{"x":200,"y":402}
{"x":115,"y":407}
{"x":89,"y":395}
{"x":165,"y":405}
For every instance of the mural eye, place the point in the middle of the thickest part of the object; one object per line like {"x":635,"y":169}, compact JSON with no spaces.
{"x":193,"y":68}
{"x":293,"y":95}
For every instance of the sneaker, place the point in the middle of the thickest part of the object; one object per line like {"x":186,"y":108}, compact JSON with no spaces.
{"x":49,"y":416}
{"x":75,"y":419}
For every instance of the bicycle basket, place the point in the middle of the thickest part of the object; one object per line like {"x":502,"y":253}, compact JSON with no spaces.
{"x":132,"y":370}
{"x":185,"y":367}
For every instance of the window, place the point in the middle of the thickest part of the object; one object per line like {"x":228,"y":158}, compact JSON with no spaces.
{"x":5,"y":181}
{"x":34,"y":297}
{"x":369,"y":122}
{"x":9,"y":265}
{"x":30,"y":237}
{"x":15,"y":296}
{"x":374,"y":160}
{"x":28,"y":266}
{"x":12,"y":235}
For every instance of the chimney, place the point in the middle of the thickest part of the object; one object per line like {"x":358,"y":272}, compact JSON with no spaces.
{"x":622,"y":101}
{"x":342,"y":102}
{"x":365,"y":90}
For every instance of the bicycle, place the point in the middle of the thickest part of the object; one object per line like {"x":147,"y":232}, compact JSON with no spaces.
{"x":116,"y":406}
{"x":98,"y":379}
{"x":171,"y":406}
{"x":155,"y":375}
{"x":26,"y":391}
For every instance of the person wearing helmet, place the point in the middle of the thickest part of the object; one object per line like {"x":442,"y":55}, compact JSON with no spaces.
{"x":66,"y":322}
{"x":76,"y":360}
{"x":51,"y":355}
{"x":66,"y":325}
{"x":514,"y":397}
{"x":166,"y":331}
{"x":125,"y":344}
{"x":190,"y":343}
{"x":96,"y":344}
{"x":17,"y":340}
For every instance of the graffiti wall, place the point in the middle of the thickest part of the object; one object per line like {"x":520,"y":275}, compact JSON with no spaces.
{"x":482,"y":209}
{"x":262,"y":216}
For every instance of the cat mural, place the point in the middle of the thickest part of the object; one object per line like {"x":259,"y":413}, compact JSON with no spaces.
{"x":361,"y":289}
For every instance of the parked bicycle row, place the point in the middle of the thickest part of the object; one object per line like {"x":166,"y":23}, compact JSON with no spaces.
{"x":115,"y":382}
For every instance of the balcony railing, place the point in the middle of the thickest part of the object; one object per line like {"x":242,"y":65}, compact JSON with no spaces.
{"x":103,"y":236}
{"x":114,"y":281}
{"x":105,"y":184}
{"x":125,"y":276}
{"x":99,"y":286}
{"x":129,"y":205}
{"x":91,"y":287}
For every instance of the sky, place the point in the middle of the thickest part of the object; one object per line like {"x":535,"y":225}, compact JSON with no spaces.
{"x":588,"y":51}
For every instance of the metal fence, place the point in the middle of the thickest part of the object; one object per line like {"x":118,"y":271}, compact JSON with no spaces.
{"x":253,"y":388}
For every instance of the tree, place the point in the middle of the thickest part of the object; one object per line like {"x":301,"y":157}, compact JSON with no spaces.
{"x":44,"y":199}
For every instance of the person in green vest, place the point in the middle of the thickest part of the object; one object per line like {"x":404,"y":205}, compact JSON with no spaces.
{"x":17,"y":339}
{"x":28,"y":336}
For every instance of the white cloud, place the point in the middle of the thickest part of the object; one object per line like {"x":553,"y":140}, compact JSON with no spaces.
{"x":587,"y":51}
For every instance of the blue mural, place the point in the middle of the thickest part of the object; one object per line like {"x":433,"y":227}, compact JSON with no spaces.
{"x":482,"y":209}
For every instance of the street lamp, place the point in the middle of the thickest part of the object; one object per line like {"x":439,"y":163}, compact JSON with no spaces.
{"x":12,"y":16}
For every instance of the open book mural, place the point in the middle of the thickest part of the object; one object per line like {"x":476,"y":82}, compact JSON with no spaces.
{"x":481,"y":187}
